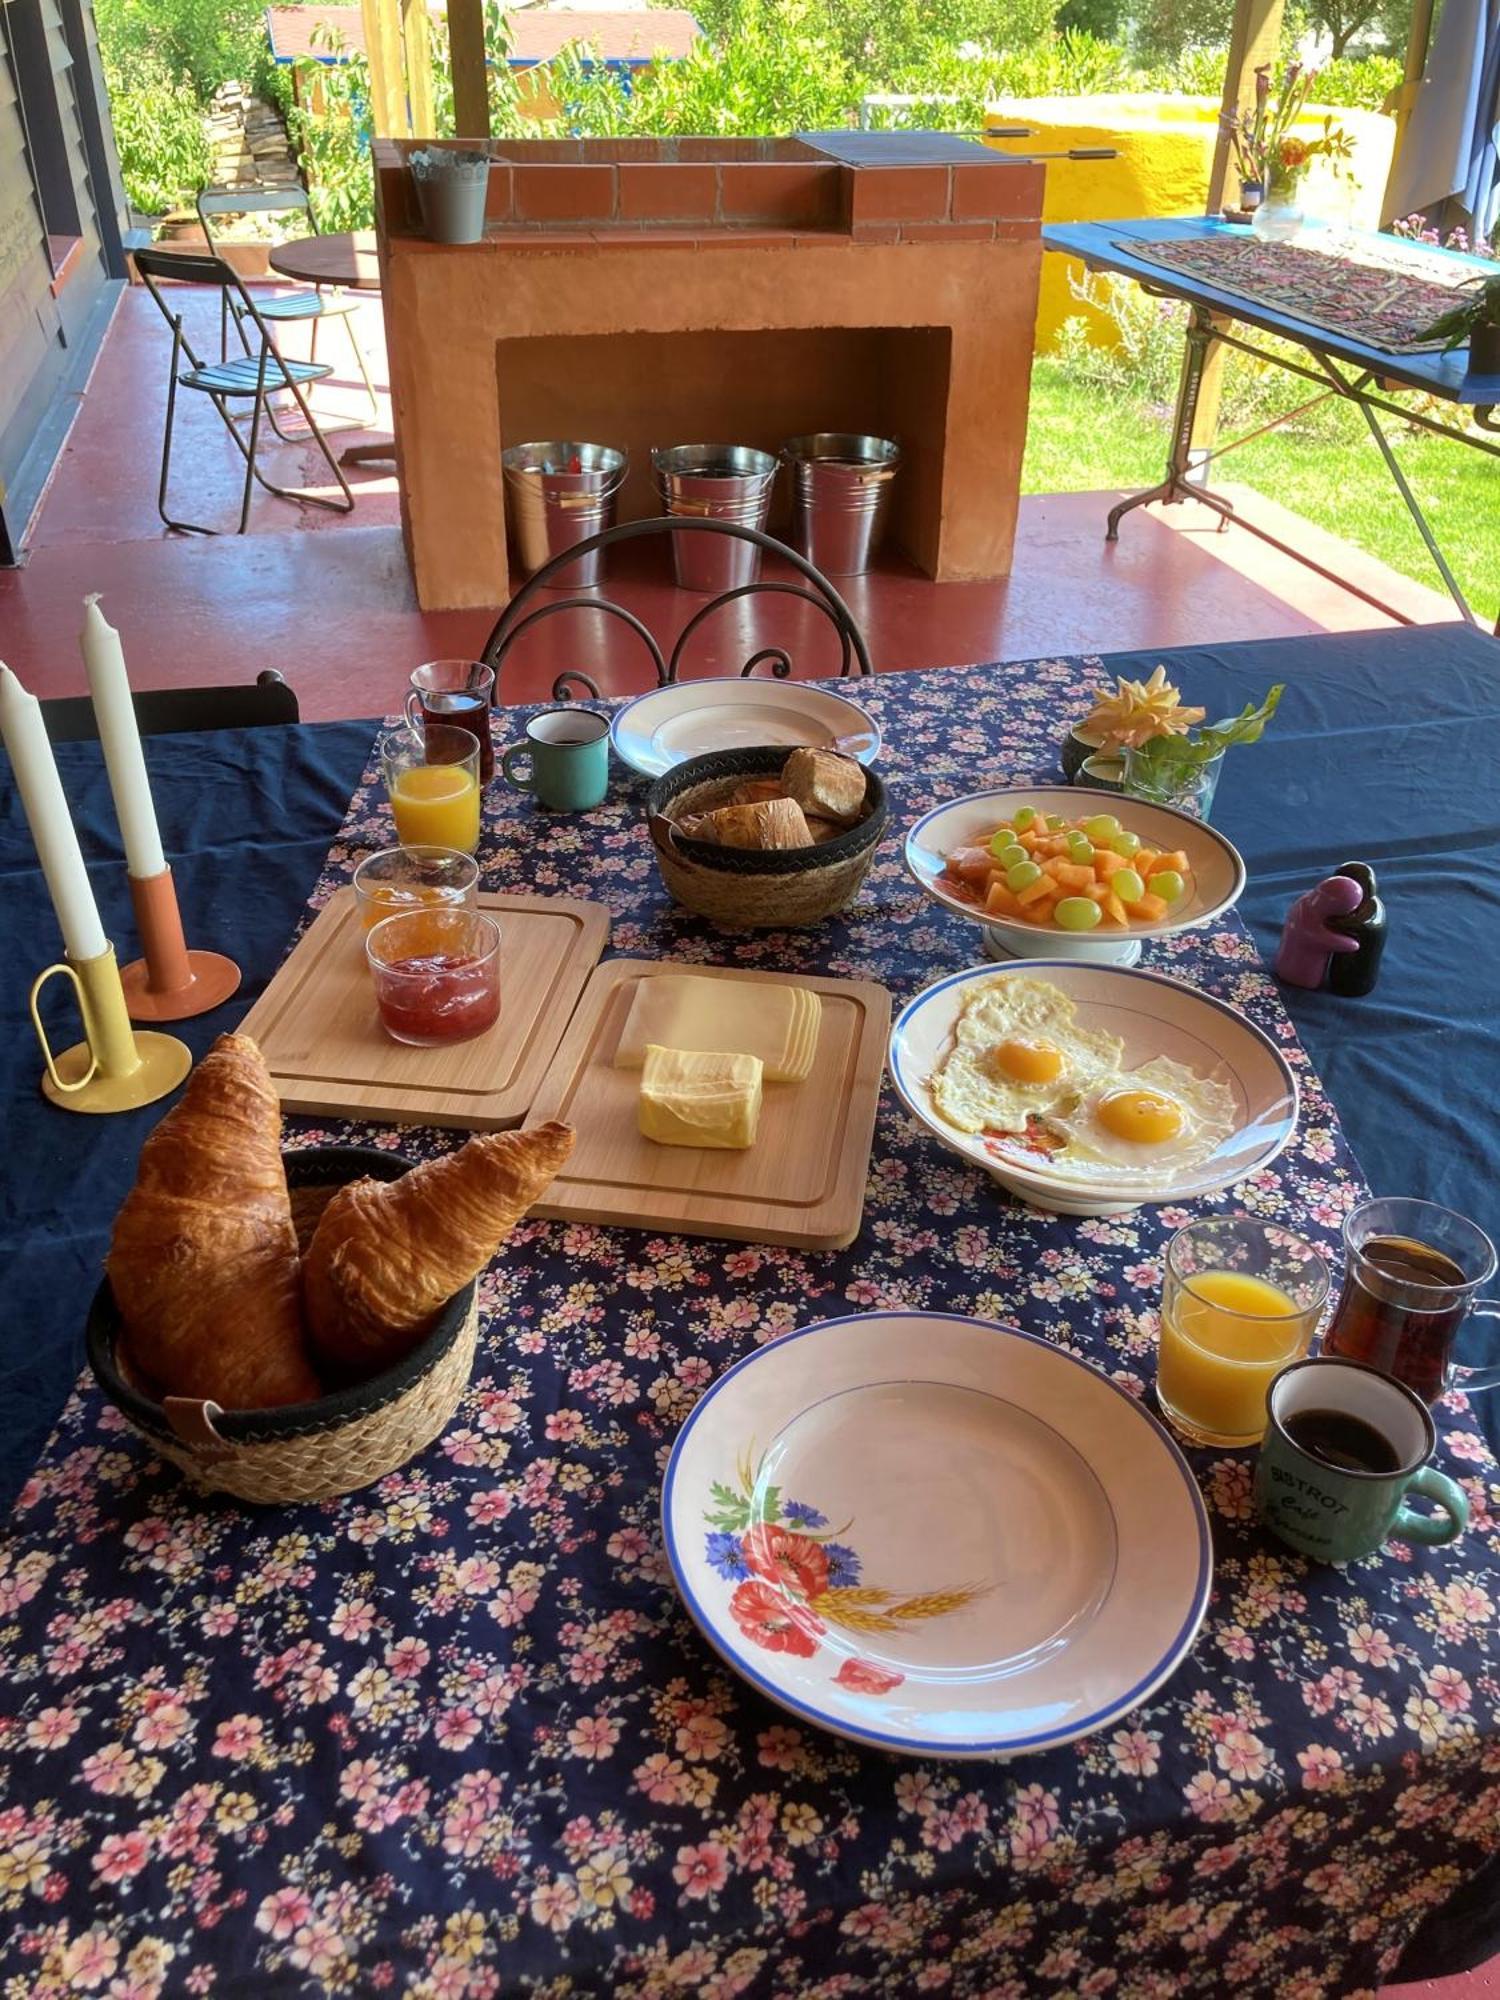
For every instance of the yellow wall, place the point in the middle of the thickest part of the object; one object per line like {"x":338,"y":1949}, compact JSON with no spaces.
{"x":1166,"y":147}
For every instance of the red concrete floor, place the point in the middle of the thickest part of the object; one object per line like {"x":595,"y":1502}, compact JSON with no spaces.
{"x":327,"y":598}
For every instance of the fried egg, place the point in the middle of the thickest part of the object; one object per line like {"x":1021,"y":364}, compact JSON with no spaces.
{"x":1160,"y":1118}
{"x":1018,"y":1052}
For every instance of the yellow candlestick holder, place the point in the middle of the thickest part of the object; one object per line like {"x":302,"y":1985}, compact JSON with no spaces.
{"x":114,"y":1068}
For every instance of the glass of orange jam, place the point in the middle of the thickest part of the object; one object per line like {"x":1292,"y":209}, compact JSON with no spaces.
{"x":414,"y":878}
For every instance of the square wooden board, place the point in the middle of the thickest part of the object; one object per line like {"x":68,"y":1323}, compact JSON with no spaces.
{"x":801,"y":1183}
{"x":328,"y":1054}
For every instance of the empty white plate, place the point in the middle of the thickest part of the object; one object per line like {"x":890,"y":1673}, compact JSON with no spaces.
{"x":1153,"y":1016}
{"x":692,"y":718}
{"x":937,"y":1535}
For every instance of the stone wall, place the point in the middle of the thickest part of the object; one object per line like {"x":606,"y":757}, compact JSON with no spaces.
{"x":249,"y":142}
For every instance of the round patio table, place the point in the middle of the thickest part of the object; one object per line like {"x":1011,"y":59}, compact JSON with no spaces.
{"x":347,"y":258}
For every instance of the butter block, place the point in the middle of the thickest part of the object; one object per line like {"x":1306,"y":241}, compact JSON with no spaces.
{"x":700,"y":1097}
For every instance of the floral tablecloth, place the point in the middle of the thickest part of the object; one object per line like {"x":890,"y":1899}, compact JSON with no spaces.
{"x":455,"y":1736}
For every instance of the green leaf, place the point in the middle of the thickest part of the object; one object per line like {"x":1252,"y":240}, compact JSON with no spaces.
{"x":1167,"y":759}
{"x":768,"y":1504}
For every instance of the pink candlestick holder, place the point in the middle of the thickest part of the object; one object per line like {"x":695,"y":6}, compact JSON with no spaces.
{"x":170,"y":983}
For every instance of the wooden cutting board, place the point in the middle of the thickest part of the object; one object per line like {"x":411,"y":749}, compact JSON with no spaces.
{"x":801,"y":1183}
{"x":328,"y":1054}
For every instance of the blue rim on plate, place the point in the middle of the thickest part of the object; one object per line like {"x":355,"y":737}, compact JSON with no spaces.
{"x":863,"y":732}
{"x":1042,"y":968}
{"x":1166,"y":1661}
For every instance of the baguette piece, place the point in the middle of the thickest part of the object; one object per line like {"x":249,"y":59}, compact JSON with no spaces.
{"x":825,"y":783}
{"x":755,"y":791}
{"x":769,"y":823}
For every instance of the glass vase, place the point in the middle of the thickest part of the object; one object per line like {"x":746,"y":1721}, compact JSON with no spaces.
{"x":1189,"y":791}
{"x":1281,"y":213}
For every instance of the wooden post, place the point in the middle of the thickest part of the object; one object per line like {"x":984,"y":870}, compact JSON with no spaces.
{"x":418,"y":49}
{"x":1253,"y":39}
{"x":388,"y":113}
{"x":471,"y":91}
{"x":1403,"y":99}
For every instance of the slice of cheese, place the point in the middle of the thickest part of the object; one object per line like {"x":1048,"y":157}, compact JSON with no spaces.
{"x":699,"y":1097}
{"x":738,"y":1016}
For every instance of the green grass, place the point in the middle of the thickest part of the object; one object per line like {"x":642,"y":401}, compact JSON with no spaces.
{"x":1325,"y":468}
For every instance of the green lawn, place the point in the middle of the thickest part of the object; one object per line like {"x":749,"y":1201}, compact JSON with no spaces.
{"x":1328,"y":470}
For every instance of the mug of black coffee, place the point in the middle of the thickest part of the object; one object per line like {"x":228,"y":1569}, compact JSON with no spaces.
{"x":1410,"y":1278}
{"x":1344,"y":1447}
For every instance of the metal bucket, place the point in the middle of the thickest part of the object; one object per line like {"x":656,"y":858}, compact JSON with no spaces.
{"x":841,"y":495}
{"x":715,"y":482}
{"x":560,"y":494}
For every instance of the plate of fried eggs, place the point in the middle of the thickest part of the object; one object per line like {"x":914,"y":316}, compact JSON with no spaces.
{"x":1090,"y":1089}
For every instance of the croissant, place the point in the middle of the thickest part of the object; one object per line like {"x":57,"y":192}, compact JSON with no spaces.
{"x":203,"y":1259}
{"x":386,"y":1255}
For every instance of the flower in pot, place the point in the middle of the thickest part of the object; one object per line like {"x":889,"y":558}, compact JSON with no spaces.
{"x":1169,"y":758}
{"x":1477,"y":321}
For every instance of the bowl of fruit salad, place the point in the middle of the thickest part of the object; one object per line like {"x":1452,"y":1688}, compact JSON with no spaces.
{"x":1047,"y":874}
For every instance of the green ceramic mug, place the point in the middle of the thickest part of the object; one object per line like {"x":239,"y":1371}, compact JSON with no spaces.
{"x":1343,"y":1448}
{"x":568,"y":749}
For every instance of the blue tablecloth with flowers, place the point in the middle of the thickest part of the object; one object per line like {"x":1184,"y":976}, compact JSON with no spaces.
{"x":455,"y":1736}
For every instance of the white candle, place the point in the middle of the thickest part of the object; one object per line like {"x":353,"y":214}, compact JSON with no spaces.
{"x":47,"y":815}
{"x":104,"y":663}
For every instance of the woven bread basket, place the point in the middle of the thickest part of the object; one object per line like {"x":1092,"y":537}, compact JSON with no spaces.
{"x":747,"y":888}
{"x":306,"y":1451}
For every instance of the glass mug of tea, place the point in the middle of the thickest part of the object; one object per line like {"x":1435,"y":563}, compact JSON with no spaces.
{"x":1410,"y":1280}
{"x":458,"y":692}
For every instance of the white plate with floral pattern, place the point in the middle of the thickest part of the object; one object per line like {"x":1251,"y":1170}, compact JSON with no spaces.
{"x":936,"y":1535}
{"x":690,"y":718}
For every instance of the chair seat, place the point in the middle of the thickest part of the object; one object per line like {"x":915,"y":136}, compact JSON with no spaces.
{"x":240,"y":377}
{"x":305,"y":305}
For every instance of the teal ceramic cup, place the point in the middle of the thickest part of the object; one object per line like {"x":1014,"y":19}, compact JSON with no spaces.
{"x":1344,"y":1447}
{"x":567,"y":750}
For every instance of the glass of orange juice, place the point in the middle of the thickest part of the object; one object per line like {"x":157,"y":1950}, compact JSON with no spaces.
{"x":432,"y":780}
{"x":413,"y":878}
{"x":1240,"y":1299}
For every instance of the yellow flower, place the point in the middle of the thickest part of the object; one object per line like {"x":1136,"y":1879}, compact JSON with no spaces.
{"x":1137,"y":711}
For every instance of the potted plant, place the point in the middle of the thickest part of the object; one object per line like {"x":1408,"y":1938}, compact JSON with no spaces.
{"x":1168,"y":757}
{"x":1477,"y":321}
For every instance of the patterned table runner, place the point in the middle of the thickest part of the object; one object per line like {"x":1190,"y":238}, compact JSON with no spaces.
{"x":1382,"y":298}
{"x":455,"y":1736}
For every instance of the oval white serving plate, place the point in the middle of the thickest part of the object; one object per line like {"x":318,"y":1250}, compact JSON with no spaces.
{"x":1217,"y":868}
{"x":936,"y":1535}
{"x":691,"y":718}
{"x":1153,"y":1016}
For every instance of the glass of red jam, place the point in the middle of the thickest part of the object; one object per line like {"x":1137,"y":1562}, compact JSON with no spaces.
{"x":437,"y":974}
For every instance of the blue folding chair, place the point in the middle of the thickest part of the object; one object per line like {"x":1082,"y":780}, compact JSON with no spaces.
{"x":259,"y":373}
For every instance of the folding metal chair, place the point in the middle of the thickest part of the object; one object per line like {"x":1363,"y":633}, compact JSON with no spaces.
{"x":258,"y":373}
{"x":313,"y":304}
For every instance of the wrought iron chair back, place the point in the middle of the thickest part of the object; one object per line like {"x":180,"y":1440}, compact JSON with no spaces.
{"x":522,"y":614}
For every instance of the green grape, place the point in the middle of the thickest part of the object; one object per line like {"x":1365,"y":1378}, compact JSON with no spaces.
{"x":1103,"y":826}
{"x":1167,"y":884}
{"x":1080,"y":848}
{"x":1024,"y":818}
{"x":1011,"y":854}
{"x":1126,"y":844}
{"x":1000,"y":840}
{"x":1022,"y":875}
{"x":1078,"y":913}
{"x":1127,"y":885}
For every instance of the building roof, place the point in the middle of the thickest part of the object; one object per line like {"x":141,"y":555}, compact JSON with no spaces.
{"x":537,"y":34}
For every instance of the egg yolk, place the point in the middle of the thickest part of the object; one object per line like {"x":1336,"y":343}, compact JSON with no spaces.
{"x":1027,"y":1062}
{"x":1140,"y":1116}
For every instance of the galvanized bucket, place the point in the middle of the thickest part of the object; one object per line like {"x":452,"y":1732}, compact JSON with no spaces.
{"x":841,"y":495}
{"x":715,"y":482}
{"x":560,"y":494}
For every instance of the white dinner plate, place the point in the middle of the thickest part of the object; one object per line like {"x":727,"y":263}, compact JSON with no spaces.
{"x":936,"y":1535}
{"x":691,"y":718}
{"x":1153,"y":1016}
{"x":1218,"y":872}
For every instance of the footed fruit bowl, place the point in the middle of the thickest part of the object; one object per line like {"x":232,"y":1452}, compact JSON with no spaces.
{"x":301,"y":1451}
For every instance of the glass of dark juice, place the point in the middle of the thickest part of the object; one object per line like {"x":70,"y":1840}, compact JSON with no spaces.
{"x":458,"y":693}
{"x":1410,"y":1280}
